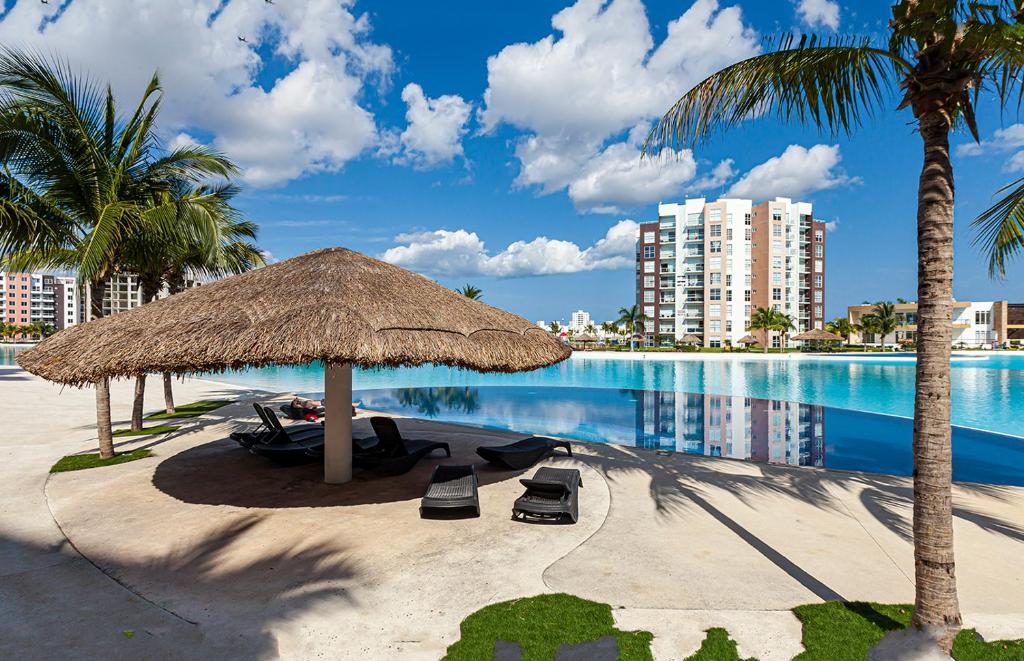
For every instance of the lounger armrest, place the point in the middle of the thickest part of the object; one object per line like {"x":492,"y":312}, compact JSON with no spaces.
{"x":545,"y":486}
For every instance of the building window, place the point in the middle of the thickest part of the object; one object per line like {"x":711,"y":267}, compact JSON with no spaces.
{"x":648,"y":267}
{"x":716,"y":246}
{"x":648,"y":252}
{"x":777,"y":231}
{"x":819,"y":236}
{"x":776,"y":277}
{"x":714,"y":214}
{"x":817,"y":266}
{"x":649,"y":311}
{"x":715,"y":325}
{"x":716,"y":294}
{"x":818,"y":281}
{"x":728,"y":294}
{"x":747,"y":234}
{"x":716,"y":230}
{"x":715,"y":263}
{"x":648,"y":237}
{"x":776,"y":293}
{"x":819,"y":250}
{"x":817,"y":310}
{"x":715,"y":310}
{"x":715,"y":278}
{"x":817,"y":296}
{"x":982,"y":318}
{"x":746,"y":295}
{"x":715,"y":343}
{"x":728,"y":234}
{"x":693,"y":219}
{"x":648,"y":296}
{"x":649,"y":281}
{"x":777,"y":262}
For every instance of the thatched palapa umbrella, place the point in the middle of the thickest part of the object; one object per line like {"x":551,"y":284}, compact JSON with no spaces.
{"x":690,"y":338}
{"x":817,"y":335}
{"x":333,"y":305}
{"x":747,"y":339}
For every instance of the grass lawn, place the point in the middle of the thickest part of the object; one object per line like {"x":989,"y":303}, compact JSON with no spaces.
{"x":146,"y":431}
{"x":77,"y":462}
{"x":541,"y":624}
{"x":832,"y":631}
{"x":837,"y":631}
{"x":191,"y":410}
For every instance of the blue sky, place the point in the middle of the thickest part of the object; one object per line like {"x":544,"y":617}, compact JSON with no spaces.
{"x":496,"y":143}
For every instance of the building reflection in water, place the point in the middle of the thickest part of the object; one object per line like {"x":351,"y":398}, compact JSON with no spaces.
{"x":749,"y":428}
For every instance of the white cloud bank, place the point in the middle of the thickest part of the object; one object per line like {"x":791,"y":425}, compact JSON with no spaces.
{"x":601,"y":75}
{"x":463,"y":253}
{"x":1009,"y":139}
{"x":819,"y":13}
{"x":795,"y":173}
{"x":311,"y":119}
{"x":435,"y":127}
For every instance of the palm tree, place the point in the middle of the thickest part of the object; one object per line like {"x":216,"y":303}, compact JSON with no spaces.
{"x":938,"y":59}
{"x":80,"y":179}
{"x":763,"y":319}
{"x":883,"y":320}
{"x":554,"y":327}
{"x":784,"y":323}
{"x":471,"y":292}
{"x":222,"y":249}
{"x":842,"y":327}
{"x":1001,"y":228}
{"x":590,"y":329}
{"x":633,"y":320}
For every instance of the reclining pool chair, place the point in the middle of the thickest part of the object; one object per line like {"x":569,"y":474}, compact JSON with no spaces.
{"x":452,"y":490}
{"x":553,"y":493}
{"x":269,"y":432}
{"x":287,"y":444}
{"x":394,"y":455}
{"x":522,"y":454}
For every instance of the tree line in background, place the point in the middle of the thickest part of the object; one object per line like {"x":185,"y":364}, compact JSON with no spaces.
{"x":86,"y":188}
{"x":36,"y":330}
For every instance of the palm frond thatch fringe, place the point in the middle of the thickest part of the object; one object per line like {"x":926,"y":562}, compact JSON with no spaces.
{"x":816,"y":335}
{"x":332,"y":305}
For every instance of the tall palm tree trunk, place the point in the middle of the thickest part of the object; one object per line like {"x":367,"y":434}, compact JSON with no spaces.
{"x":138,"y":404}
{"x":936,"y":605}
{"x":168,"y":393}
{"x":97,"y":289}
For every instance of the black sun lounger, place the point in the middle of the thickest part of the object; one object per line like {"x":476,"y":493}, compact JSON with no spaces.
{"x":553,"y":493}
{"x":394,"y":455}
{"x":452,"y":489}
{"x":287,"y":444}
{"x":522,"y":454}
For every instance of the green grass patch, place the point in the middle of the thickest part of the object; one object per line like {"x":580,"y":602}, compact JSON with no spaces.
{"x":77,"y":462}
{"x":191,"y":410}
{"x":541,"y":624}
{"x":717,"y":646}
{"x":146,"y":431}
{"x":837,"y":631}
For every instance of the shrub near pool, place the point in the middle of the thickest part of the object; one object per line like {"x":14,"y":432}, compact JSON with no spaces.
{"x":541,"y":624}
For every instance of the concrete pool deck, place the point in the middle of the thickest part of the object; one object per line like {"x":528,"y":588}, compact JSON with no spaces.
{"x":205,"y":551}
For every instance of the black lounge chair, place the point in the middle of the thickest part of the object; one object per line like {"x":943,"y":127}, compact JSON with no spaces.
{"x":267,"y":431}
{"x":452,"y":489}
{"x":553,"y":493}
{"x":522,"y":454}
{"x":287,"y":444}
{"x":394,"y":455}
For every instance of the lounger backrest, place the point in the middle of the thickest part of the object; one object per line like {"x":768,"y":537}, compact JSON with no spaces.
{"x":271,"y":419}
{"x":388,"y":435}
{"x":546,"y":487}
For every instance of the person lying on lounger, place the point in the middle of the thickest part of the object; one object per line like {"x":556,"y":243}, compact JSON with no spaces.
{"x":300,"y":403}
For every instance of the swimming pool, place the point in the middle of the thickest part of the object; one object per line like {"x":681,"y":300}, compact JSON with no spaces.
{"x":747,"y":428}
{"x":988,"y":392}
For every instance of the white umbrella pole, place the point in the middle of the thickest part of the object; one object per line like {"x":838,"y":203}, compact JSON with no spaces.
{"x":338,"y":427}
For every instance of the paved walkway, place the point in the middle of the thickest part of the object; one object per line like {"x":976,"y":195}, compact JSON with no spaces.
{"x":234,"y":557}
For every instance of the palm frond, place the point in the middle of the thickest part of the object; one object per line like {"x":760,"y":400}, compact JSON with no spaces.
{"x":832,"y":84}
{"x":1000,"y":229}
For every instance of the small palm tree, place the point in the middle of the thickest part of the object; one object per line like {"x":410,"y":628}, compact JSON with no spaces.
{"x":633,"y":320}
{"x":842,"y":327}
{"x":554,"y":327}
{"x":471,"y":292}
{"x":590,"y":329}
{"x":883,"y":320}
{"x":763,"y":319}
{"x":941,"y":55}
{"x":784,"y":323}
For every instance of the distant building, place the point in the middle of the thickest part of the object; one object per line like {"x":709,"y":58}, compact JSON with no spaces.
{"x":579,"y":321}
{"x":26,"y":298}
{"x":976,"y":324}
{"x":123,"y":293}
{"x":703,"y":267}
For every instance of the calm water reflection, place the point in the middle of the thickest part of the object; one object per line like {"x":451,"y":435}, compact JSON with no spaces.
{"x":747,"y":428}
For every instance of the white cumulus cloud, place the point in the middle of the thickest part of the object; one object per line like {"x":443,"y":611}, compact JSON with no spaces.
{"x":797,"y":172}
{"x":1009,"y":139}
{"x":310,"y":119}
{"x":436,"y":127}
{"x":463,"y":253}
{"x":817,"y":13}
{"x":598,"y":76}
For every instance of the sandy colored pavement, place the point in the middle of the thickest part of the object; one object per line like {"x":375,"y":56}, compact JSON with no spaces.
{"x":207,"y":551}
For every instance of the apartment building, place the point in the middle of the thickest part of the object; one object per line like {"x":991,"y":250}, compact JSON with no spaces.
{"x":703,"y":267}
{"x":976,"y":324}
{"x":27,"y":298}
{"x":123,"y":293}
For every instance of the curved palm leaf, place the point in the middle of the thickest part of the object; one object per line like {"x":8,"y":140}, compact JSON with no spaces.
{"x":1000,"y":229}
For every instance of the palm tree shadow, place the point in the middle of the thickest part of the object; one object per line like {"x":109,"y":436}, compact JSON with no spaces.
{"x":226,"y":595}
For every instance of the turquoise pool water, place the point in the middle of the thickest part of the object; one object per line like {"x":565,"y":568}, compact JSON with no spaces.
{"x":988,"y":393}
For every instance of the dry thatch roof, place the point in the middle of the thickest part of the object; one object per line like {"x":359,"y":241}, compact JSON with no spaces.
{"x":690,"y":338}
{"x":817,"y":336}
{"x":584,"y":338}
{"x":329,"y":305}
{"x":747,"y":339}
